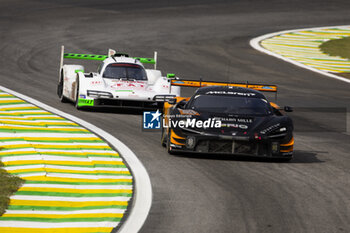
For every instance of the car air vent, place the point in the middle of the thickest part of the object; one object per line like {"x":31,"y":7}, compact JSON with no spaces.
{"x":121,"y":55}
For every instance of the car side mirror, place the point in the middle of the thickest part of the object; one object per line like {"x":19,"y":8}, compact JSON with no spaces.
{"x":171,"y":76}
{"x":181,"y":104}
{"x":172,"y":101}
{"x":288,"y":109}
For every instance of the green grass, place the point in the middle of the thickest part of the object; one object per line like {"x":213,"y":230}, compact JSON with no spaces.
{"x":8,"y":185}
{"x":338,"y":47}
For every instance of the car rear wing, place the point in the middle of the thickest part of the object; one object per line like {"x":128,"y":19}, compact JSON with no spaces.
{"x":111,"y":53}
{"x":201,"y":83}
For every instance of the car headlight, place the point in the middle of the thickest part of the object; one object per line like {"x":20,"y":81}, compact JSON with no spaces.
{"x":275,"y":131}
{"x":272,"y":128}
{"x":278,"y":133}
{"x":99,"y":94}
{"x":282,"y":129}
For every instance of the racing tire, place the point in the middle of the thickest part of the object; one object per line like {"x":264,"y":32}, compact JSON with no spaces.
{"x":168,"y":148}
{"x":163,"y":138}
{"x":76,"y":104}
{"x":62,"y":98}
{"x":285,"y":160}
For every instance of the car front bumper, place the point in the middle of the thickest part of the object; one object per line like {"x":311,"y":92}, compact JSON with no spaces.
{"x":119,"y":103}
{"x":230,"y":145}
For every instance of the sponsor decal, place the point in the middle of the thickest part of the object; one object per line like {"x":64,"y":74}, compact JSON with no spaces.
{"x":233,"y":119}
{"x":175,"y":146}
{"x":179,"y":82}
{"x":85,"y":102}
{"x":188,"y":112}
{"x":95,"y":82}
{"x":82,"y":96}
{"x":128,"y":85}
{"x":230,"y":93}
{"x":151,"y":120}
{"x":240,"y":126}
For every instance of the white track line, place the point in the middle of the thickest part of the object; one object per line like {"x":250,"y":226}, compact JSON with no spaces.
{"x":72,"y":186}
{"x":68,"y":199}
{"x":142,"y":201}
{"x":255,"y":43}
{"x":62,"y":167}
{"x":97,"y":211}
{"x":54,"y":225}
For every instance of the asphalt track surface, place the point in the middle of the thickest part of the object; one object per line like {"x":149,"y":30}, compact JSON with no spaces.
{"x":208,"y":39}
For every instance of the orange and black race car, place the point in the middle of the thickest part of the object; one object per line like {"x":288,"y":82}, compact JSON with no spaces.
{"x":227,"y":118}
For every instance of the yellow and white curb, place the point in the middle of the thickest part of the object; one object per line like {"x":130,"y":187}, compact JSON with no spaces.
{"x":301,"y":47}
{"x":74,"y":180}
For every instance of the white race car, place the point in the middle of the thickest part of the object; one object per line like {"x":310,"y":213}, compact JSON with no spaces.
{"x":121,"y":81}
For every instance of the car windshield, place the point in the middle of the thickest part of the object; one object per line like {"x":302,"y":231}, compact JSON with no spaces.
{"x":231,"y":105}
{"x":125,"y":71}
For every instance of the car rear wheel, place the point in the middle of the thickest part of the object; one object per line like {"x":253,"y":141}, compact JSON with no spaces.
{"x":60,"y":86}
{"x":163,"y":139}
{"x":77,"y":95}
{"x":287,"y":159}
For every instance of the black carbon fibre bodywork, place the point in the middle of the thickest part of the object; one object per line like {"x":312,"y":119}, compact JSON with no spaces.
{"x":248,"y":132}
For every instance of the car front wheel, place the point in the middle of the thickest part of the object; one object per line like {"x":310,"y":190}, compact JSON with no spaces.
{"x":168,"y":142}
